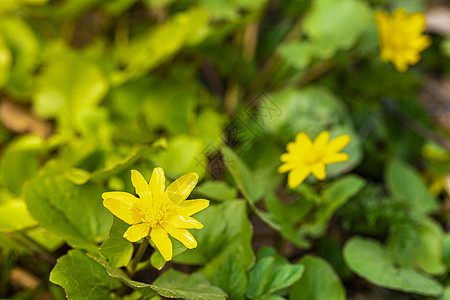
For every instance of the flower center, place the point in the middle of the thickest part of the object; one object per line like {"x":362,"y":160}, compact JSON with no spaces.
{"x":154,"y":214}
{"x":314,"y":157}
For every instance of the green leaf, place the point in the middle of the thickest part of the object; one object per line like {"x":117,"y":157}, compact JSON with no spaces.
{"x":271,"y":297}
{"x":298,"y":55}
{"x":334,"y":196}
{"x":174,"y":113}
{"x":5,"y":62}
{"x":318,"y":282}
{"x":116,"y":166}
{"x":209,"y":125}
{"x":20,"y":162}
{"x":429,"y":254}
{"x":370,"y":260}
{"x":232,"y":278}
{"x":288,"y":217}
{"x":171,"y":284}
{"x":175,"y":284}
{"x":405,"y":184}
{"x":271,"y":273}
{"x":446,"y":249}
{"x":241,"y":174}
{"x":45,"y":238}
{"x":339,"y":191}
{"x":116,"y":7}
{"x":82,"y":277}
{"x":15,"y":215}
{"x":118,"y":251}
{"x":446,"y":294}
{"x":67,"y":88}
{"x":229,"y":10}
{"x":9,"y":244}
{"x":157,"y":260}
{"x":404,"y":243}
{"x":283,"y":277}
{"x":156,"y":45}
{"x":183,"y":155}
{"x":327,"y":20}
{"x":227,"y":232}
{"x":247,"y":184}
{"x":217,"y":190}
{"x":259,"y":276}
{"x":74,"y":212}
{"x":313,"y":218}
{"x":146,"y":290}
{"x":24,"y":47}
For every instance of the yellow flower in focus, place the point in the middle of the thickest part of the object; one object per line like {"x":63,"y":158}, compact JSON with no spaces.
{"x":305,"y":157}
{"x":400,"y":37}
{"x":158,"y":211}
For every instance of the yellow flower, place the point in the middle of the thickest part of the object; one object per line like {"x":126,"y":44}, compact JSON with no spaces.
{"x":158,"y":211}
{"x":400,"y":37}
{"x":305,"y":157}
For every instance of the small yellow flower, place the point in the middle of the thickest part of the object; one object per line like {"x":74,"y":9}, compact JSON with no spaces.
{"x":158,"y":211}
{"x":400,"y":37}
{"x":305,"y":157}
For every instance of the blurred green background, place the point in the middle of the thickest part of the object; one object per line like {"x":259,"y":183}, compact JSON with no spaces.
{"x":91,"y":89}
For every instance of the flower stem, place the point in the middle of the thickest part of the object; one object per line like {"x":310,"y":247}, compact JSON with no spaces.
{"x":137,"y":258}
{"x":24,"y":240}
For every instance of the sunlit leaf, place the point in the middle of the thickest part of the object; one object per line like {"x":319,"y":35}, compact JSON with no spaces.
{"x":369,"y":259}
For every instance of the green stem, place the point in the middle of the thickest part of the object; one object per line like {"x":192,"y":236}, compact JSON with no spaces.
{"x":250,"y":40}
{"x":315,"y":71}
{"x":27,"y":242}
{"x":8,"y":262}
{"x":274,"y":61}
{"x":232,"y":97}
{"x":137,"y":258}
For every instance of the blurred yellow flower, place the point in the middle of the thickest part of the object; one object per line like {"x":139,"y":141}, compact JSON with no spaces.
{"x":400,"y":37}
{"x":158,"y":211}
{"x":305,"y":157}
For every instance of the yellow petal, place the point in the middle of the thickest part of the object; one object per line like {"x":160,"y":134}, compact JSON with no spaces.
{"x":157,"y":183}
{"x":184,"y":222}
{"x":290,"y":147}
{"x":161,"y":239}
{"x":183,"y":235}
{"x":297,"y":176}
{"x":137,"y":232}
{"x":400,"y":14}
{"x":122,"y":205}
{"x":339,"y":143}
{"x":303,"y":140}
{"x":284,"y":168}
{"x":180,"y":189}
{"x":318,"y":171}
{"x":421,"y":43}
{"x":335,"y":157}
{"x":190,"y":207}
{"x":400,"y":64}
{"x":417,"y":22}
{"x":285,"y":157}
{"x":321,"y":140}
{"x":140,"y":184}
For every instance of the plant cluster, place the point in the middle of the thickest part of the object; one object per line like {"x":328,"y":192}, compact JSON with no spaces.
{"x":224,"y":149}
